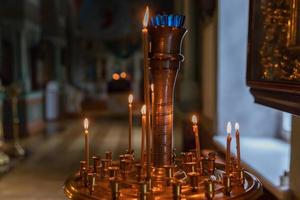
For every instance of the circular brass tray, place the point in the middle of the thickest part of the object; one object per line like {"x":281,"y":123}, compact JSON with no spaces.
{"x":129,"y":189}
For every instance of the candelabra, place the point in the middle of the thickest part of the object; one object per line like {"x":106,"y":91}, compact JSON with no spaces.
{"x":4,"y":158}
{"x":164,"y":175}
{"x":14,"y":92}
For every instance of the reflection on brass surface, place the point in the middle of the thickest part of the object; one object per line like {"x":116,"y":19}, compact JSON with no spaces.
{"x":165,"y":58}
{"x":201,"y":186}
{"x":280,"y":36}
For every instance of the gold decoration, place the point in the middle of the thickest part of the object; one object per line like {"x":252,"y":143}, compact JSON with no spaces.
{"x":279,"y":19}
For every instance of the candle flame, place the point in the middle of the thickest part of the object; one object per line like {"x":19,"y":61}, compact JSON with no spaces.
{"x":152,"y":87}
{"x":115,"y":76}
{"x":237,"y":126}
{"x":143,"y":110}
{"x":194,"y":119}
{"x":86,"y":123}
{"x":146,"y":17}
{"x":130,"y":98}
{"x":123,"y":75}
{"x":229,"y":127}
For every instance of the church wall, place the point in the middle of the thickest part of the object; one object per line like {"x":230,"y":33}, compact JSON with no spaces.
{"x":208,"y":48}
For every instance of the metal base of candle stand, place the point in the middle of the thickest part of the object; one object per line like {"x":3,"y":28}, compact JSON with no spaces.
{"x":130,"y":187}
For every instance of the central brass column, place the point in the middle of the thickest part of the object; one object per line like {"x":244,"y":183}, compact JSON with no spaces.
{"x":165,"y":59}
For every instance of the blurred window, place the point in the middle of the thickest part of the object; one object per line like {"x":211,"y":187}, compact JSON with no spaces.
{"x":286,"y":126}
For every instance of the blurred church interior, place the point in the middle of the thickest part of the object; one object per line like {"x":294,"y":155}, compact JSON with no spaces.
{"x":65,"y":60}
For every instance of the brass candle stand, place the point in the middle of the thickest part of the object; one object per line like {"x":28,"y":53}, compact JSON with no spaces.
{"x":182,"y":177}
{"x":14,"y":92}
{"x":4,"y":158}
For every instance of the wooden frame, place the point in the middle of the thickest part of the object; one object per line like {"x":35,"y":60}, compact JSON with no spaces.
{"x":273,"y":54}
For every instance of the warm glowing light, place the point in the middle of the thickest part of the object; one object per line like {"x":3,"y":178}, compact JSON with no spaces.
{"x":143,"y":110}
{"x":116,"y":76}
{"x":152,"y":87}
{"x":194,"y":119}
{"x":237,"y":126}
{"x":146,"y":17}
{"x":123,"y":75}
{"x":86,"y":123}
{"x":229,"y":127}
{"x":130,"y":98}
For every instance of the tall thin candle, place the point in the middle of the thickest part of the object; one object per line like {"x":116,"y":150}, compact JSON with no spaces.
{"x":143,"y":112}
{"x":130,"y":99}
{"x":227,"y":166}
{"x":238,"y":150}
{"x":86,"y":139}
{"x":152,"y":110}
{"x":146,"y":89}
{"x":196,"y":134}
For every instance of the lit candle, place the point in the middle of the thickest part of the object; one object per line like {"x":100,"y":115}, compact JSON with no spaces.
{"x":143,"y":112}
{"x":146,"y":89}
{"x":152,"y":107}
{"x":86,"y":139}
{"x":130,"y":99}
{"x":227,"y":166}
{"x":195,"y":130}
{"x":238,"y":150}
